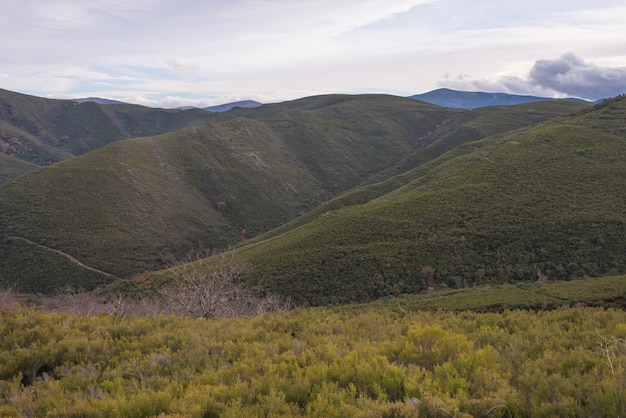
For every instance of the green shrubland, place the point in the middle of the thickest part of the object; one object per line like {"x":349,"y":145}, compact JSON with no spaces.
{"x":209,"y":181}
{"x":44,"y":131}
{"x":140,"y":204}
{"x":370,"y":361}
{"x":543,"y":203}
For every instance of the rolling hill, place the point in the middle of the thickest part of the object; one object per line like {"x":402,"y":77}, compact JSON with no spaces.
{"x":143,"y":203}
{"x":98,"y":100}
{"x":545,"y":202}
{"x":11,"y":167}
{"x":44,"y":131}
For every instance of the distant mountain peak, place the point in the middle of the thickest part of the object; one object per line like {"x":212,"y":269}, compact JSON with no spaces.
{"x":228,"y":106}
{"x":98,"y":100}
{"x":473,"y":99}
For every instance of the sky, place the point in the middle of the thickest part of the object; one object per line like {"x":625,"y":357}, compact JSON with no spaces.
{"x":166,"y":53}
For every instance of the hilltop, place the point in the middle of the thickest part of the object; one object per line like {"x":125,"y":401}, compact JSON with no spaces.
{"x":246,"y":104}
{"x":474,"y":99}
{"x":98,"y":100}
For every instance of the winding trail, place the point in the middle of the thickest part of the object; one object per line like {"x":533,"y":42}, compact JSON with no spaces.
{"x":67,"y":256}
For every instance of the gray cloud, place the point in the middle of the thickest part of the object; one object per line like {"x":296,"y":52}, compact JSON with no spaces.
{"x":567,"y":76}
{"x":572,"y":76}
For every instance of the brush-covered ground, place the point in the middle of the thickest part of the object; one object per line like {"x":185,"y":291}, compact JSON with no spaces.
{"x":209,"y":181}
{"x":545,"y":202}
{"x":478,"y":212}
{"x":407,"y":357}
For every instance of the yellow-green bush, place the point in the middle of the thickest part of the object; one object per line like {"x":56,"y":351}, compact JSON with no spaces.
{"x":369,"y":362}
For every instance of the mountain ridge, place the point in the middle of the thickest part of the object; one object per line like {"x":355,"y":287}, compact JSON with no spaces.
{"x":98,"y":100}
{"x":142,"y":203}
{"x":246,"y":104}
{"x":45,"y":131}
{"x":344,"y":178}
{"x":458,"y":99}
{"x":542,"y":203}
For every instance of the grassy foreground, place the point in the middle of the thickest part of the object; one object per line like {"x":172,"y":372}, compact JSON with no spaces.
{"x":371,"y":361}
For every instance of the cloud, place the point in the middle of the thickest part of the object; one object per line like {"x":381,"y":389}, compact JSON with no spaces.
{"x":567,"y":76}
{"x":283,"y":49}
{"x":573,"y":76}
{"x":182,"y":65}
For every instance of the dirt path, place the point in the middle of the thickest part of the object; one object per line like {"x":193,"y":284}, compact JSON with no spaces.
{"x":67,"y":256}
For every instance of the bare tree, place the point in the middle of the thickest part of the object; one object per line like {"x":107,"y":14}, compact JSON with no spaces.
{"x":7,"y":298}
{"x":217,"y":291}
{"x":207,"y":291}
{"x":613,"y":350}
{"x":78,"y":301}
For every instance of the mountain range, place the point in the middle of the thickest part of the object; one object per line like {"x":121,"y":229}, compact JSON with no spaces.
{"x":246,"y":104}
{"x":471,"y":100}
{"x":331,"y":198}
{"x":442,"y":97}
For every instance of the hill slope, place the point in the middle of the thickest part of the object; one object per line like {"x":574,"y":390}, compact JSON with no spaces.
{"x":143,"y":203}
{"x":462,"y":127}
{"x":11,"y":167}
{"x":44,"y":131}
{"x":548,"y":201}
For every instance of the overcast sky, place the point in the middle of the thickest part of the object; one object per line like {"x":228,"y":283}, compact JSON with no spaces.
{"x":204,"y":52}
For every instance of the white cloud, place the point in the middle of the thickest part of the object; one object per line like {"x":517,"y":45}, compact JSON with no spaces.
{"x":281,"y":49}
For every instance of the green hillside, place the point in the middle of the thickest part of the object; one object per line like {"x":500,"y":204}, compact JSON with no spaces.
{"x":143,"y":203}
{"x":11,"y":167}
{"x":44,"y":131}
{"x":460,"y":128}
{"x":546,"y":202}
{"x":483,"y":122}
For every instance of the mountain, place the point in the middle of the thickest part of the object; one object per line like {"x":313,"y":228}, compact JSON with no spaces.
{"x":223,"y":179}
{"x":98,"y":100}
{"x":45,"y":131}
{"x":143,"y":203}
{"x":246,"y":104}
{"x":471,"y":100}
{"x":540,"y":203}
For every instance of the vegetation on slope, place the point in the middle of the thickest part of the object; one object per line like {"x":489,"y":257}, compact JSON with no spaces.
{"x":44,"y":131}
{"x":11,"y":167}
{"x":319,"y":362}
{"x":141,"y":204}
{"x":460,"y":128}
{"x":542,"y":203}
{"x":609,"y":291}
{"x":483,"y":122}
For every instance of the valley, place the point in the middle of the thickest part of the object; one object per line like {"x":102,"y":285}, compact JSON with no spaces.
{"x":367,"y":256}
{"x":148,"y":188}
